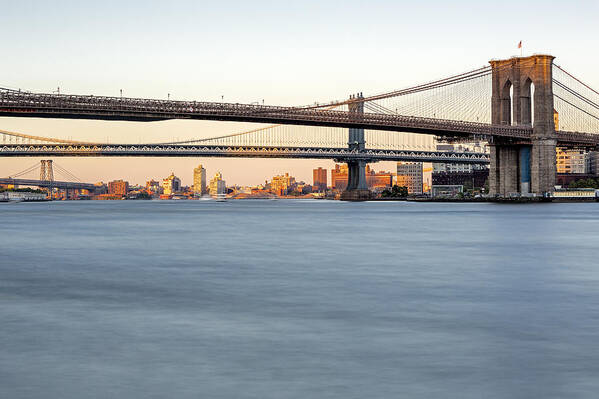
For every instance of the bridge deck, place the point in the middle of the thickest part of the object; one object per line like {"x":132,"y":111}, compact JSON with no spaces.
{"x":24,"y":104}
{"x":146,"y":150}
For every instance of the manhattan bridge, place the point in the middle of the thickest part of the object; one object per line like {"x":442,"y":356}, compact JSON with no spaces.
{"x":523,"y":106}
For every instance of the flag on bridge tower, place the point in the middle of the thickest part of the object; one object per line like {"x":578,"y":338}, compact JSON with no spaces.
{"x":520,"y":47}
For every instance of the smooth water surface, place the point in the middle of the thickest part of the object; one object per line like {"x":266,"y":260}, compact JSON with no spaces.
{"x":298,"y":299}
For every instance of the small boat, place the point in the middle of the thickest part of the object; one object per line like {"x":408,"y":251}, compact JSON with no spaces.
{"x":220,"y":197}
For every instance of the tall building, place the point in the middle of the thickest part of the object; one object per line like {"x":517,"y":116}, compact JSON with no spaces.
{"x":410,"y":175}
{"x":118,"y":187}
{"x":199,"y":180}
{"x":283,"y":184}
{"x":171,"y":184}
{"x":319,"y":179}
{"x":217,"y":185}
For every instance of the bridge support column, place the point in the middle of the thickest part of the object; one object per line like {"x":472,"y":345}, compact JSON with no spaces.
{"x":510,"y":170}
{"x":522,"y":95}
{"x":357,"y":189}
{"x":524,"y":169}
{"x":543,"y":168}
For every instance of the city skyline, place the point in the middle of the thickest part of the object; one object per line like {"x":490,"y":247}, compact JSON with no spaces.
{"x":294,"y":66}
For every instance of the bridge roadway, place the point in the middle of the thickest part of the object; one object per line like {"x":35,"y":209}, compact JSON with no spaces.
{"x":170,"y":150}
{"x":43,"y":183}
{"x":25,"y":104}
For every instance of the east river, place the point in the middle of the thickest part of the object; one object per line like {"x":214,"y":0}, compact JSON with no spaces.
{"x":298,"y":299}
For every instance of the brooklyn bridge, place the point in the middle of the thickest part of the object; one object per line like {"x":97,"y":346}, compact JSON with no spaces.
{"x":524,"y":107}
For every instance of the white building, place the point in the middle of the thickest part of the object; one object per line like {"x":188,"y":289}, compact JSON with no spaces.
{"x":570,"y":161}
{"x":410,"y":175}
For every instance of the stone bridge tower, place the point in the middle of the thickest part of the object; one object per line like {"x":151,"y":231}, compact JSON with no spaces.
{"x":523,"y":95}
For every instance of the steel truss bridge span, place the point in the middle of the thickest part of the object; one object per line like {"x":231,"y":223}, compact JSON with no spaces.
{"x":24,"y":104}
{"x":165,"y":150}
{"x":109,"y":108}
{"x":48,"y":183}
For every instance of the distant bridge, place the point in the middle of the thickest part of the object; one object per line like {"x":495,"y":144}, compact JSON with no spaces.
{"x":64,"y":185}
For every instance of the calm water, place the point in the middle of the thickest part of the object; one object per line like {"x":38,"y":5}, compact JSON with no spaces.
{"x":298,"y":299}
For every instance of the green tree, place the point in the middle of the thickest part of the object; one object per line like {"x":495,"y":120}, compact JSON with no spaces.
{"x":395,"y":192}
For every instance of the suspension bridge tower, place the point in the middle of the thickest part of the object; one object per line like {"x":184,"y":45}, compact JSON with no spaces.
{"x":522,"y":95}
{"x":357,"y":188}
{"x":47,"y":174}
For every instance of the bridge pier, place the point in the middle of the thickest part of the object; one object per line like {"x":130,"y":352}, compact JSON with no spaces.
{"x":510,"y":170}
{"x":357,"y":189}
{"x":517,"y":167}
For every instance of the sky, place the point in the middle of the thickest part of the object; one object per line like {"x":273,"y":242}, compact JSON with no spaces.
{"x":285,"y":53}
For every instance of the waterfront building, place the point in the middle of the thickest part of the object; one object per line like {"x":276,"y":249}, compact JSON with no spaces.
{"x":460,"y":167}
{"x":374,"y":180}
{"x":118,"y":187}
{"x":100,"y":188}
{"x":473,"y":179}
{"x":319,"y":180}
{"x":592,"y":163}
{"x":303,"y":188}
{"x":410,"y":175}
{"x":217,"y":185}
{"x":570,"y":161}
{"x":199,"y":181}
{"x":378,"y":180}
{"x":339,"y":177}
{"x":153,"y":187}
{"x":283,"y":184}
{"x":171,"y":184}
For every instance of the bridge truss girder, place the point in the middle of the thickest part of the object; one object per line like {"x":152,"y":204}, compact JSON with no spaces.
{"x":144,"y":150}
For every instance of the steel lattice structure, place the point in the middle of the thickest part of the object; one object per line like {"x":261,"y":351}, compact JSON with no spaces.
{"x":166,"y":150}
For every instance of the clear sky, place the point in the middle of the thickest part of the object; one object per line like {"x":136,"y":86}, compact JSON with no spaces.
{"x":277,"y":51}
